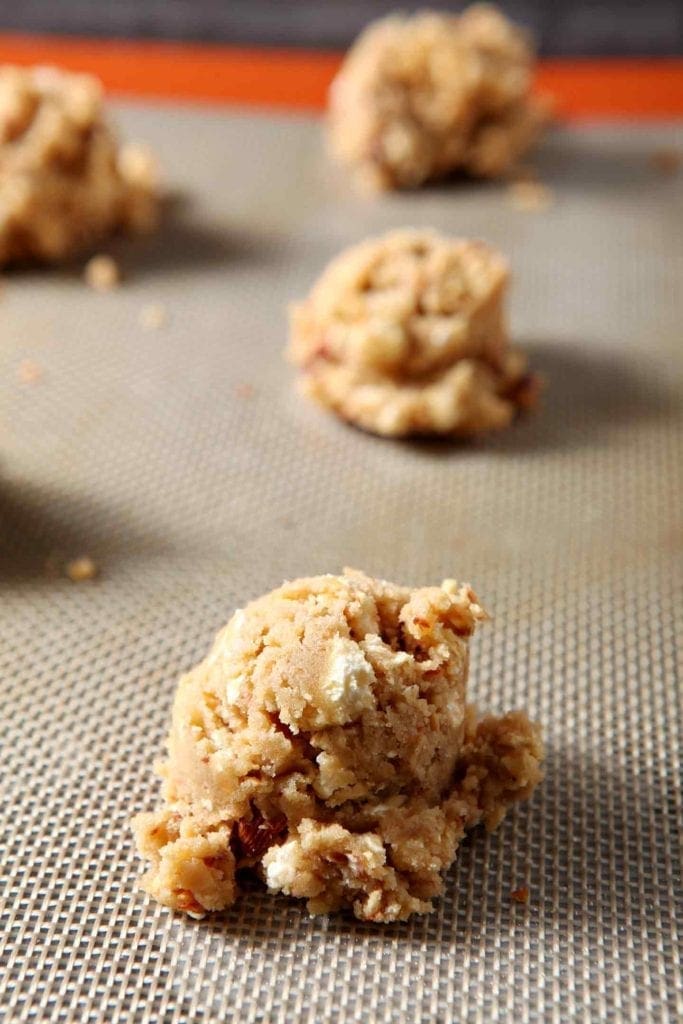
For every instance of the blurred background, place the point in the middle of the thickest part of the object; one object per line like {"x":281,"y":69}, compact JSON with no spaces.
{"x":562,"y":27}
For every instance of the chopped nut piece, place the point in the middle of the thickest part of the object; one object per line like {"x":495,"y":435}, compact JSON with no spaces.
{"x":102,"y":273}
{"x":153,"y":317}
{"x":530,"y":196}
{"x":30,"y":372}
{"x":520,"y":895}
{"x":187,"y":902}
{"x":81,"y":569}
{"x":253,"y":838}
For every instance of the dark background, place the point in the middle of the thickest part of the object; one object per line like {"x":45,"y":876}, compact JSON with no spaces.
{"x":563,"y":27}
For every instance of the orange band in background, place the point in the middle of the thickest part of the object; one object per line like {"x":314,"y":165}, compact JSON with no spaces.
{"x":298,"y":79}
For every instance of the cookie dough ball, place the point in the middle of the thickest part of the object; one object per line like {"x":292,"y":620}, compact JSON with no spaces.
{"x":65,"y":182}
{"x":421,"y":96}
{"x":405,"y":334}
{"x":326,"y":744}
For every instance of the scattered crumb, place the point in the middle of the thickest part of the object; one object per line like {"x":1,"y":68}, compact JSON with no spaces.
{"x":667,"y":160}
{"x":153,"y":317}
{"x":244,"y":391}
{"x":81,"y":569}
{"x":102,"y":273}
{"x":29,"y":371}
{"x":530,"y":196}
{"x":520,"y":895}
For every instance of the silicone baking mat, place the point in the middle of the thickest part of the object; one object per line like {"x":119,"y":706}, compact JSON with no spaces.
{"x":181,"y":460}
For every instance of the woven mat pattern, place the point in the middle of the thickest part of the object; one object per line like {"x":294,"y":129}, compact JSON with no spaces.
{"x":182,"y":462}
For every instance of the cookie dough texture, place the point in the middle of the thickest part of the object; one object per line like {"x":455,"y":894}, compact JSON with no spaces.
{"x":326,"y":743}
{"x":405,"y":334}
{"x":421,"y":96}
{"x":65,"y":181}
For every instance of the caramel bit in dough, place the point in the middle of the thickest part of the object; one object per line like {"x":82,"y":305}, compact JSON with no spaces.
{"x":421,"y":96}
{"x":65,"y":181}
{"x":326,"y":744}
{"x":405,"y":334}
{"x":520,"y":895}
{"x":79,"y":570}
{"x":102,"y":273}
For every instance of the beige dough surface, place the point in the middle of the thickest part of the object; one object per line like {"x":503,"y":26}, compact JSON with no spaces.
{"x":421,"y":96}
{"x":326,"y":744}
{"x":65,"y":181}
{"x":405,"y":334}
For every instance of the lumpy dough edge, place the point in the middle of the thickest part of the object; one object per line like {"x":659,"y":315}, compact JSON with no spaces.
{"x":327,"y":745}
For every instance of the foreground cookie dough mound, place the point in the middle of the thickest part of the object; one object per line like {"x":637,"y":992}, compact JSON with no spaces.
{"x":420,"y":97}
{"x":405,"y":334}
{"x":65,"y":182}
{"x":325,"y":743}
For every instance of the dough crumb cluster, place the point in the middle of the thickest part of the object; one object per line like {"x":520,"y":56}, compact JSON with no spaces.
{"x":405,"y":335}
{"x":419,"y":97}
{"x":65,"y":181}
{"x":326,"y":744}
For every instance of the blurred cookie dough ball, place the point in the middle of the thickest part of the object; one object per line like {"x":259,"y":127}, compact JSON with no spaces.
{"x":405,"y":334}
{"x":421,"y":96}
{"x":326,"y":744}
{"x":66,"y":182}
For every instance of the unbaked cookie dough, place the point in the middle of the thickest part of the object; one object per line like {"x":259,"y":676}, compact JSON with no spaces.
{"x":65,"y":181}
{"x":421,"y":96}
{"x":326,"y":744}
{"x":405,"y":334}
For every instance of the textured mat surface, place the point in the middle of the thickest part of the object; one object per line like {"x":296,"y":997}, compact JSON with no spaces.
{"x":183,"y":463}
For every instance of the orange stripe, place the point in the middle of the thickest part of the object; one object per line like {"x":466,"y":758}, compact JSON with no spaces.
{"x":298,"y":79}
{"x":614,"y":88}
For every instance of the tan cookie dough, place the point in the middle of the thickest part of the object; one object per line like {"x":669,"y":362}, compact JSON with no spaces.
{"x":65,"y":181}
{"x":405,"y":334}
{"x":326,"y":744}
{"x":421,"y":96}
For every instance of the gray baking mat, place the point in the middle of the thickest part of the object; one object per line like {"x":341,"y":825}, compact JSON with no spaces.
{"x":182,"y":462}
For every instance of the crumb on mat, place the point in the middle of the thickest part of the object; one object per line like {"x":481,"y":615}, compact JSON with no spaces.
{"x":81,"y":569}
{"x":530,"y":196}
{"x":153,"y":317}
{"x":520,"y":895}
{"x":29,"y":371}
{"x":102,"y":273}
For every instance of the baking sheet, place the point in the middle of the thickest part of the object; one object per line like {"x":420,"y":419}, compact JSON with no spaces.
{"x":182,"y":461}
